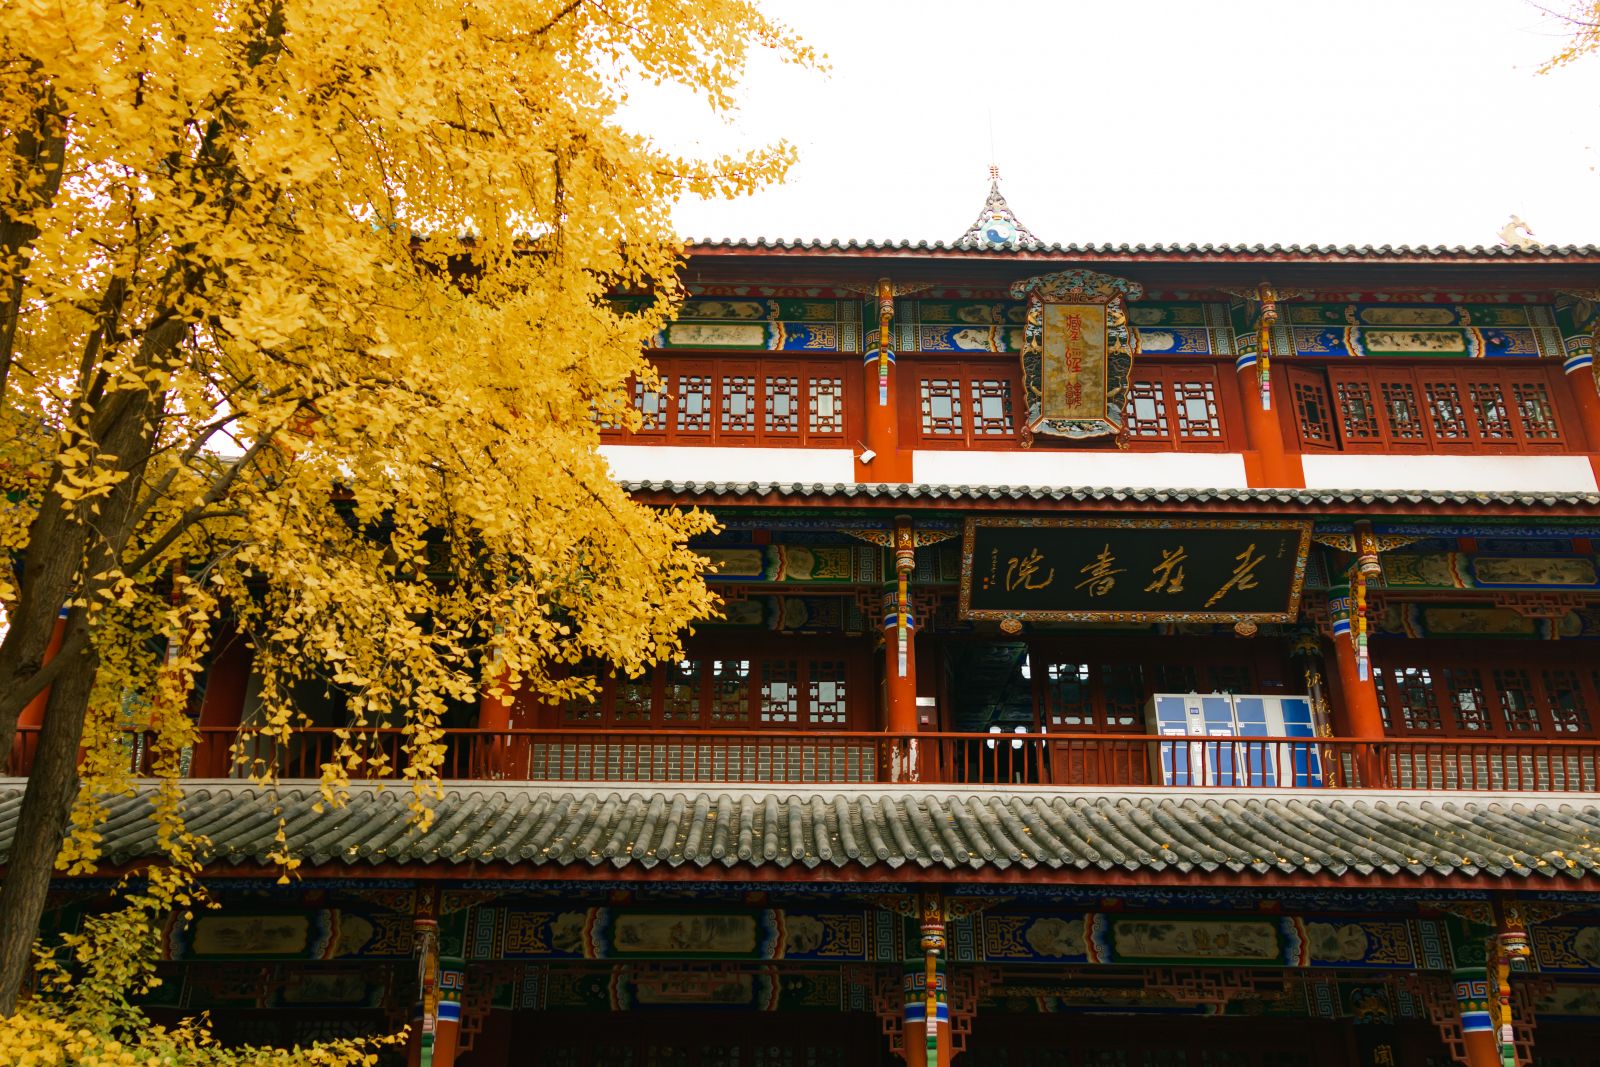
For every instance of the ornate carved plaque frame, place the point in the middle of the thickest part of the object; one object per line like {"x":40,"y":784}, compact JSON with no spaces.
{"x":1077,"y":352}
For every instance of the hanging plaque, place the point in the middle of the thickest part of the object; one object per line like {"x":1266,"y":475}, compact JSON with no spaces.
{"x":1133,"y":570}
{"x":1077,"y":352}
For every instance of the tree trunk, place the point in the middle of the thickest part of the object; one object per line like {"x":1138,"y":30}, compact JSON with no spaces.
{"x":52,"y":787}
{"x":67,"y":547}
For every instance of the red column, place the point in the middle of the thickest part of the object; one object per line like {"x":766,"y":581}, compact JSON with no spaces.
{"x":492,"y":746}
{"x":1276,"y":467}
{"x":1356,"y":713}
{"x":883,"y":459}
{"x":33,"y":712}
{"x":1477,"y":1028}
{"x":900,"y":660}
{"x":1586,"y":397}
{"x":447,"y":1026}
{"x":927,"y":1019}
{"x":222,"y":705}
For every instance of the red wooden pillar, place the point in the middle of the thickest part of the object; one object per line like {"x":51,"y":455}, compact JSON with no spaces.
{"x":900,"y":661}
{"x":1264,"y":399}
{"x":1581,"y":384}
{"x":1477,"y":1027}
{"x":447,"y":1021}
{"x":491,"y":754}
{"x":883,"y":459}
{"x":1356,"y":713}
{"x":436,"y":1016}
{"x":1275,"y":467}
{"x":222,"y":705}
{"x":927,"y":1020}
{"x":32,"y":716}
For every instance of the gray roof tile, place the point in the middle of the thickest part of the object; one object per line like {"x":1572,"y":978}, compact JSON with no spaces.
{"x":910,"y":492}
{"x":1496,"y":253}
{"x":917,"y":829}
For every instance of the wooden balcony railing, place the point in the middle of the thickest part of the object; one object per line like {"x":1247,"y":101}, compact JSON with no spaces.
{"x":842,"y":758}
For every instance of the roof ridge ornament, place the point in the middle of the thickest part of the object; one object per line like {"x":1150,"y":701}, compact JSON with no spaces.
{"x":996,"y":226}
{"x":1517,"y":234}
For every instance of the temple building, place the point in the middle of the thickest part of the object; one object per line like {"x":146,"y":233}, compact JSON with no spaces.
{"x":1154,"y":656}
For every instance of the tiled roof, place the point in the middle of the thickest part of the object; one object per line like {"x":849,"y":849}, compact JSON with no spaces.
{"x":1531,"y":253}
{"x":932,"y":829}
{"x":912,"y":492}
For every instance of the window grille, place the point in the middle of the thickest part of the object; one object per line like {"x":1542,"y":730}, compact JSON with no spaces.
{"x":762,"y":402}
{"x":1380,"y":408}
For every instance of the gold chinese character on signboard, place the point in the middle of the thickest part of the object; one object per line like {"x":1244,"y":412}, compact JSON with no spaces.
{"x":1169,"y":572}
{"x":1243,"y":576}
{"x":1101,"y":572}
{"x":1024,"y":571}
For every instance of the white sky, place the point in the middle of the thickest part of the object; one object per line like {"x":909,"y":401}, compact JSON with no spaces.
{"x":1332,"y":121}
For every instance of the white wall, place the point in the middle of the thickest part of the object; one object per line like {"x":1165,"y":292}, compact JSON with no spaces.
{"x":1485,"y":474}
{"x":674,"y":463}
{"x":1059,"y":470}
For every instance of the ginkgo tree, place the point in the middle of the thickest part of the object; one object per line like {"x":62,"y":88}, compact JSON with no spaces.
{"x":1580,"y":21}
{"x":306,"y":324}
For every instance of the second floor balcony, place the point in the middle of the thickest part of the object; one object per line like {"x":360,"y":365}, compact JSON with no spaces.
{"x":769,"y":757}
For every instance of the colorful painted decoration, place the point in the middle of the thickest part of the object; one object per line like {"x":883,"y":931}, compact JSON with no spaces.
{"x":735,"y":324}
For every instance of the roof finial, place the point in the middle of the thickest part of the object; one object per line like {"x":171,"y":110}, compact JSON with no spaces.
{"x":997,"y":225}
{"x":1517,"y":234}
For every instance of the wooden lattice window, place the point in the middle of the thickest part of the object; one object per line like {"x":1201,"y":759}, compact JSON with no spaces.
{"x":1313,"y":414}
{"x":991,"y":407}
{"x":1468,"y":702}
{"x":780,"y":692}
{"x":1146,"y":410}
{"x":730,"y":692}
{"x":761,"y":402}
{"x":652,"y":405}
{"x":825,"y":693}
{"x":680,"y":698}
{"x":1123,"y":696}
{"x":1489,"y":693}
{"x":825,"y":406}
{"x":782,"y":405}
{"x":1432,"y":408}
{"x":1569,"y":712}
{"x":633,"y":700}
{"x":1446,"y":415}
{"x":738,"y":404}
{"x":1358,"y":412}
{"x":1488,"y":399}
{"x":1069,"y":700}
{"x":1406,"y":698}
{"x":805,"y":691}
{"x":981,"y":403}
{"x":694,"y":397}
{"x":941,"y":407}
{"x":1177,"y":405}
{"x":1195,"y":405}
{"x":1516,"y":700}
{"x":1532,"y":399}
{"x":956,"y":404}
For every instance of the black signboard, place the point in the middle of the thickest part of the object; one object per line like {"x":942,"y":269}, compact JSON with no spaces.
{"x":1133,"y":570}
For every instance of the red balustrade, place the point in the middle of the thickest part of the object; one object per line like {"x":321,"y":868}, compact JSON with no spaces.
{"x":760,"y":757}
